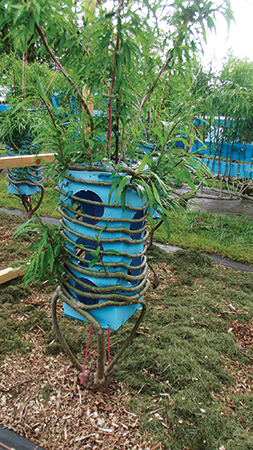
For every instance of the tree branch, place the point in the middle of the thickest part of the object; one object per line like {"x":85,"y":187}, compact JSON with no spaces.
{"x":63,"y":71}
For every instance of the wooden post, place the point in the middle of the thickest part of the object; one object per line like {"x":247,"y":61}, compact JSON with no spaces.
{"x":9,"y":162}
{"x":9,"y":274}
{"x":90,"y":100}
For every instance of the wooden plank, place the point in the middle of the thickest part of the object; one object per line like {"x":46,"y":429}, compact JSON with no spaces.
{"x":10,"y":274}
{"x":9,"y":162}
{"x":89,"y":101}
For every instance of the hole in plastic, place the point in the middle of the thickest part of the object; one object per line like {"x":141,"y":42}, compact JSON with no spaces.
{"x":82,"y":298}
{"x":135,"y":263}
{"x":135,"y":226}
{"x":85,"y":252}
{"x":88,"y":208}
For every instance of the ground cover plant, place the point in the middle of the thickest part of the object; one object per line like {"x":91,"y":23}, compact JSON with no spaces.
{"x":186,"y":381}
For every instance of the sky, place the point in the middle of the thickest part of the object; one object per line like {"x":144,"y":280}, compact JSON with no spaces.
{"x":239,"y":38}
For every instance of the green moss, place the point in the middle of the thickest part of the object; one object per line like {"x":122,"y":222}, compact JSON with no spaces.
{"x":75,"y":333}
{"x":156,"y":254}
{"x":10,"y":339}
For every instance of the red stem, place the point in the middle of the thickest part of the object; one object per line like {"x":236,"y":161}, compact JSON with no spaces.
{"x":25,"y":67}
{"x":46,"y":91}
{"x":147,"y":96}
{"x":54,"y":123}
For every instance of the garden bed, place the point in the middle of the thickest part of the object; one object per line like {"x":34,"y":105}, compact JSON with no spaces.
{"x":186,"y":381}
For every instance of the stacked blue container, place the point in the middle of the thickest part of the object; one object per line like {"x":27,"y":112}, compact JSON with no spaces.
{"x":91,"y":223}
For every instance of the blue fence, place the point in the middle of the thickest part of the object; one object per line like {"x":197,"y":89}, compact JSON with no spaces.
{"x":233,"y":160}
{"x":230,"y":159}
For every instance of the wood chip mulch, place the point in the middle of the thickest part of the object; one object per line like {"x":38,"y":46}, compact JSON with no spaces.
{"x":42,"y":401}
{"x":242,"y":372}
{"x":244,"y":336}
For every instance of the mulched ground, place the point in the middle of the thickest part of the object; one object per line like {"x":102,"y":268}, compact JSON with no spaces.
{"x":42,"y":400}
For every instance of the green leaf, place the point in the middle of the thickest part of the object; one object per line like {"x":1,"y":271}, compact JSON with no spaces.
{"x":150,"y":195}
{"x":97,"y":251}
{"x":156,"y":194}
{"x":122,"y":185}
{"x":94,"y":261}
{"x":123,"y":200}
{"x":160,"y":182}
{"x":150,"y":220}
{"x":144,"y":162}
{"x":43,"y":264}
{"x":33,"y":246}
{"x":166,"y":222}
{"x":113,"y":187}
{"x":111,"y":252}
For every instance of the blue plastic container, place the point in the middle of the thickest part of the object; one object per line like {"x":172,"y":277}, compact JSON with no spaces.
{"x":89,"y":222}
{"x":3,"y":107}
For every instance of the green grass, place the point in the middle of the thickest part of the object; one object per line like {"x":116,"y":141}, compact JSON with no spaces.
{"x":211,"y":233}
{"x":185,"y":377}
